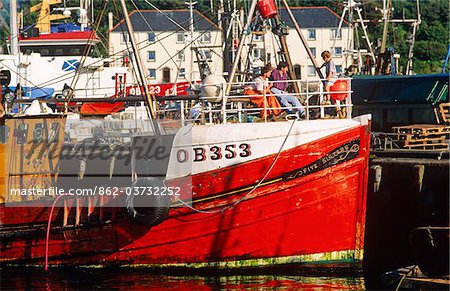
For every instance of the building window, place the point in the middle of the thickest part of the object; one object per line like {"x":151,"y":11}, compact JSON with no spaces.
{"x":311,"y":34}
{"x":152,"y":73}
{"x":151,"y":56}
{"x":335,"y":34}
{"x":313,"y":51}
{"x":75,"y":52}
{"x":297,"y":71}
{"x":125,"y":38}
{"x":337,"y":51}
{"x":45,"y":52}
{"x":206,"y":54}
{"x":151,"y":37}
{"x":180,"y":37}
{"x":258,"y":54}
{"x":338,"y":69}
{"x":311,"y":71}
{"x":206,"y":37}
{"x":180,"y":56}
{"x":257,"y":37}
{"x":182,"y":73}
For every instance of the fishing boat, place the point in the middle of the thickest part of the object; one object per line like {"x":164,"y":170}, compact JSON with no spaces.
{"x":45,"y":58}
{"x":240,"y":194}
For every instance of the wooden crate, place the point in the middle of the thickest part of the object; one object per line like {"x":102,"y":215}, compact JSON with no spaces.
{"x":436,"y":146}
{"x":425,"y":141}
{"x":444,"y":109}
{"x":422,"y":136}
{"x":422,"y":129}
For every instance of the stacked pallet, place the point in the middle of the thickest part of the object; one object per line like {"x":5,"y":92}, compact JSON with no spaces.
{"x":423,"y":136}
{"x":444,"y":110}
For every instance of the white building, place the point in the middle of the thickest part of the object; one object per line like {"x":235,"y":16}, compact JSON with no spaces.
{"x":164,"y":41}
{"x":319,"y":26}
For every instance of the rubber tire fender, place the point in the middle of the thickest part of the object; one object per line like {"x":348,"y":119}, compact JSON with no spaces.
{"x":160,"y":204}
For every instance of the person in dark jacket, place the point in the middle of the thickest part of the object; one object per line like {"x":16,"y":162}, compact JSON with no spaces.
{"x":279,"y":78}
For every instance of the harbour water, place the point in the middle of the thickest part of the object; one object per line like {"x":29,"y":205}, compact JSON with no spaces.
{"x":140,"y":279}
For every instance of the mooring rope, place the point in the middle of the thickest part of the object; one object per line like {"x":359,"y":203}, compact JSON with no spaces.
{"x":48,"y":229}
{"x":252,"y":190}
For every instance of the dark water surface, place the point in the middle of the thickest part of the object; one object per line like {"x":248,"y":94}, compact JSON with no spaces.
{"x":141,"y":279}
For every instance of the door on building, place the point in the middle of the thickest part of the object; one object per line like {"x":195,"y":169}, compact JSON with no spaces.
{"x":166,"y":75}
{"x":297,"y":72}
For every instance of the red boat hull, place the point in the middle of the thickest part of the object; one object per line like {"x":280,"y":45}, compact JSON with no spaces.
{"x":302,"y":214}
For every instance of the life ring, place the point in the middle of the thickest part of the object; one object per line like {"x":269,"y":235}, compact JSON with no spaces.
{"x":145,"y":208}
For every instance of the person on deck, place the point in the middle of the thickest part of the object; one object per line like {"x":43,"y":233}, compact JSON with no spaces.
{"x":331,"y":75}
{"x":258,"y":89}
{"x":279,"y":88}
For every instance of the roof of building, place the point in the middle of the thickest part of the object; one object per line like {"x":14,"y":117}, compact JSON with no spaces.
{"x":312,"y":17}
{"x":153,"y":20}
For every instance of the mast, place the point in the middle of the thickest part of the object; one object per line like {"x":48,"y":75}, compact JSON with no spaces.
{"x":287,"y":57}
{"x":241,"y":46}
{"x":302,"y":38}
{"x":14,"y":30}
{"x":151,"y":100}
{"x":386,"y":16}
{"x":191,"y":40}
{"x":413,"y":38}
{"x":224,"y":26}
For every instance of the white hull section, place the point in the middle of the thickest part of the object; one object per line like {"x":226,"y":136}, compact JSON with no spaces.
{"x":34,"y":70}
{"x":195,"y":148}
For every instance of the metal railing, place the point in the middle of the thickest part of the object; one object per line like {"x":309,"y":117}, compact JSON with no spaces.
{"x":225,"y":108}
{"x":220,"y":108}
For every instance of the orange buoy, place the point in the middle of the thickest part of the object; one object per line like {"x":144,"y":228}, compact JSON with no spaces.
{"x":235,"y":43}
{"x":267,"y":8}
{"x":339,"y":86}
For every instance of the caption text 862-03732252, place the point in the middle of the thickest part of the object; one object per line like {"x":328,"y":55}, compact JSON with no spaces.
{"x":97,"y":190}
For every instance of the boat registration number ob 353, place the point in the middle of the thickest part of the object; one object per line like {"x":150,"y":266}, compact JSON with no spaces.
{"x":214,"y":153}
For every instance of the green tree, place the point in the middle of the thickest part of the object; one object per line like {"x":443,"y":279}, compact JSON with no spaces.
{"x":432,"y":37}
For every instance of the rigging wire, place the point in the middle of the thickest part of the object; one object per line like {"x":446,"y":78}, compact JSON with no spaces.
{"x":151,"y":29}
{"x":132,"y":60}
{"x":223,"y":209}
{"x":116,"y":56}
{"x":69,"y":75}
{"x":186,"y":46}
{"x":181,"y":27}
{"x":87,"y":48}
{"x":178,"y":25}
{"x":31,"y":26}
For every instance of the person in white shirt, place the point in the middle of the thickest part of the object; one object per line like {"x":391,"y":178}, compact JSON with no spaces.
{"x":260,"y":91}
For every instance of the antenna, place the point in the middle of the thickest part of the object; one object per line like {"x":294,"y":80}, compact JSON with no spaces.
{"x":415,"y":26}
{"x":191,"y":40}
{"x":241,"y":46}
{"x":351,"y":7}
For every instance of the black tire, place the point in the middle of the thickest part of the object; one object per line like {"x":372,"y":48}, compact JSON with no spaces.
{"x":146,"y":215}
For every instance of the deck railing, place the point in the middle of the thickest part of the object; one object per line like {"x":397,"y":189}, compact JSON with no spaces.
{"x":233,"y":107}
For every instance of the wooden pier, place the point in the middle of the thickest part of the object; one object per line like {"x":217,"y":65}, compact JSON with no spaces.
{"x":412,"y":278}
{"x":422,"y":136}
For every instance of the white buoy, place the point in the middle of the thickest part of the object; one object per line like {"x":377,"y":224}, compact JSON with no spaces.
{"x":212,"y":88}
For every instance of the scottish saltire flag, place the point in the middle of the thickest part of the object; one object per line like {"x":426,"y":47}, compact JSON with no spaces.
{"x":70,"y":65}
